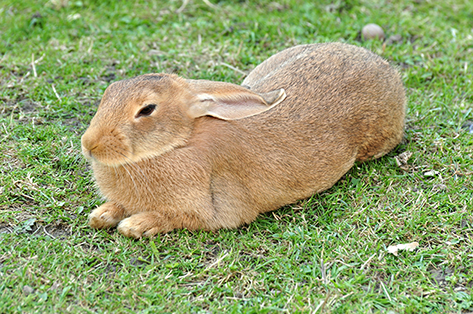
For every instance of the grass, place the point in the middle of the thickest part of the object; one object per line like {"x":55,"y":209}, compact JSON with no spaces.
{"x":326,"y":254}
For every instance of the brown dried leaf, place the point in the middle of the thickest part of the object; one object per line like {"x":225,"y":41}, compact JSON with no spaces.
{"x":401,"y":160}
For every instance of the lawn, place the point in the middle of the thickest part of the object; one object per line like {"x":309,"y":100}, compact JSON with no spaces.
{"x":326,"y":254}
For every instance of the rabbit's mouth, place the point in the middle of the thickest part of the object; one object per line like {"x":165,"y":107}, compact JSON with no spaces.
{"x":109,"y":157}
{"x":108,"y":148}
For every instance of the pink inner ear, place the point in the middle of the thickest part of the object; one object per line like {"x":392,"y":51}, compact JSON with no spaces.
{"x":229,"y":101}
{"x":242,"y":100}
{"x":237,"y":106}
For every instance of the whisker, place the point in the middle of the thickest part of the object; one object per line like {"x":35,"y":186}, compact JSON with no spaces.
{"x":134,"y":183}
{"x":135,"y":167}
{"x":130,"y":175}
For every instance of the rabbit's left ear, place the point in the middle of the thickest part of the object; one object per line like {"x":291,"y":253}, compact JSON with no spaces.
{"x":231,"y":102}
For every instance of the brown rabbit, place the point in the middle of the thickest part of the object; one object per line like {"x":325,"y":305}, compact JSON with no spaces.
{"x":174,"y":153}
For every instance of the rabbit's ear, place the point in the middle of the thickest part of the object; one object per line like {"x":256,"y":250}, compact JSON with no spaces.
{"x":234,"y":103}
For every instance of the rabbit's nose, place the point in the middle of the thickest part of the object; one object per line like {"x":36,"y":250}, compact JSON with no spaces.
{"x":88,"y":143}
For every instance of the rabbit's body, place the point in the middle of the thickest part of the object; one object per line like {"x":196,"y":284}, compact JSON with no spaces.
{"x":342,"y":103}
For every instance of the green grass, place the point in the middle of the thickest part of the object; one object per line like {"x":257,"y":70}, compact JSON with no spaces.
{"x":324,"y":254}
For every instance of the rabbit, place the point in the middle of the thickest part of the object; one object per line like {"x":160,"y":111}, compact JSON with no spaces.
{"x":169,"y":153}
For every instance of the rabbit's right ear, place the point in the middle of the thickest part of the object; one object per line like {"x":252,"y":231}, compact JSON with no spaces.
{"x":231,"y":102}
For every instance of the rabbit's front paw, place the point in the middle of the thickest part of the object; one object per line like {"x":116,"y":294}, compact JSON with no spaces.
{"x":145,"y":224}
{"x":106,"y":216}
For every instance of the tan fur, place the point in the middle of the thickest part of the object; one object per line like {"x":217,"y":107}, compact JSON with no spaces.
{"x":185,"y":166}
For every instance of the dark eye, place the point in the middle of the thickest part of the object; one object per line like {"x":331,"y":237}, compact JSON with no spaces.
{"x":146,"y":111}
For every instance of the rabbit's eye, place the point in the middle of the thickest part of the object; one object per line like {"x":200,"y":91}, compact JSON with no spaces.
{"x":146,"y":111}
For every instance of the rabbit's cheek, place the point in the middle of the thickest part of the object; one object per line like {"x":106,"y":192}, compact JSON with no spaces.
{"x":145,"y":150}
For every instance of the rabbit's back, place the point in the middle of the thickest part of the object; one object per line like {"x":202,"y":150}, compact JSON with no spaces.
{"x":338,"y":91}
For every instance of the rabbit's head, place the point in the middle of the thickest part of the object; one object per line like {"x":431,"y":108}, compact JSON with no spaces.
{"x":152,"y":114}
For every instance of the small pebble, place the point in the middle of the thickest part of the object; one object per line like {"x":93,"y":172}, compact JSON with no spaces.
{"x":394,"y":39}
{"x":372,"y":31}
{"x":431,"y":173}
{"x":27,"y":290}
{"x":439,"y":187}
